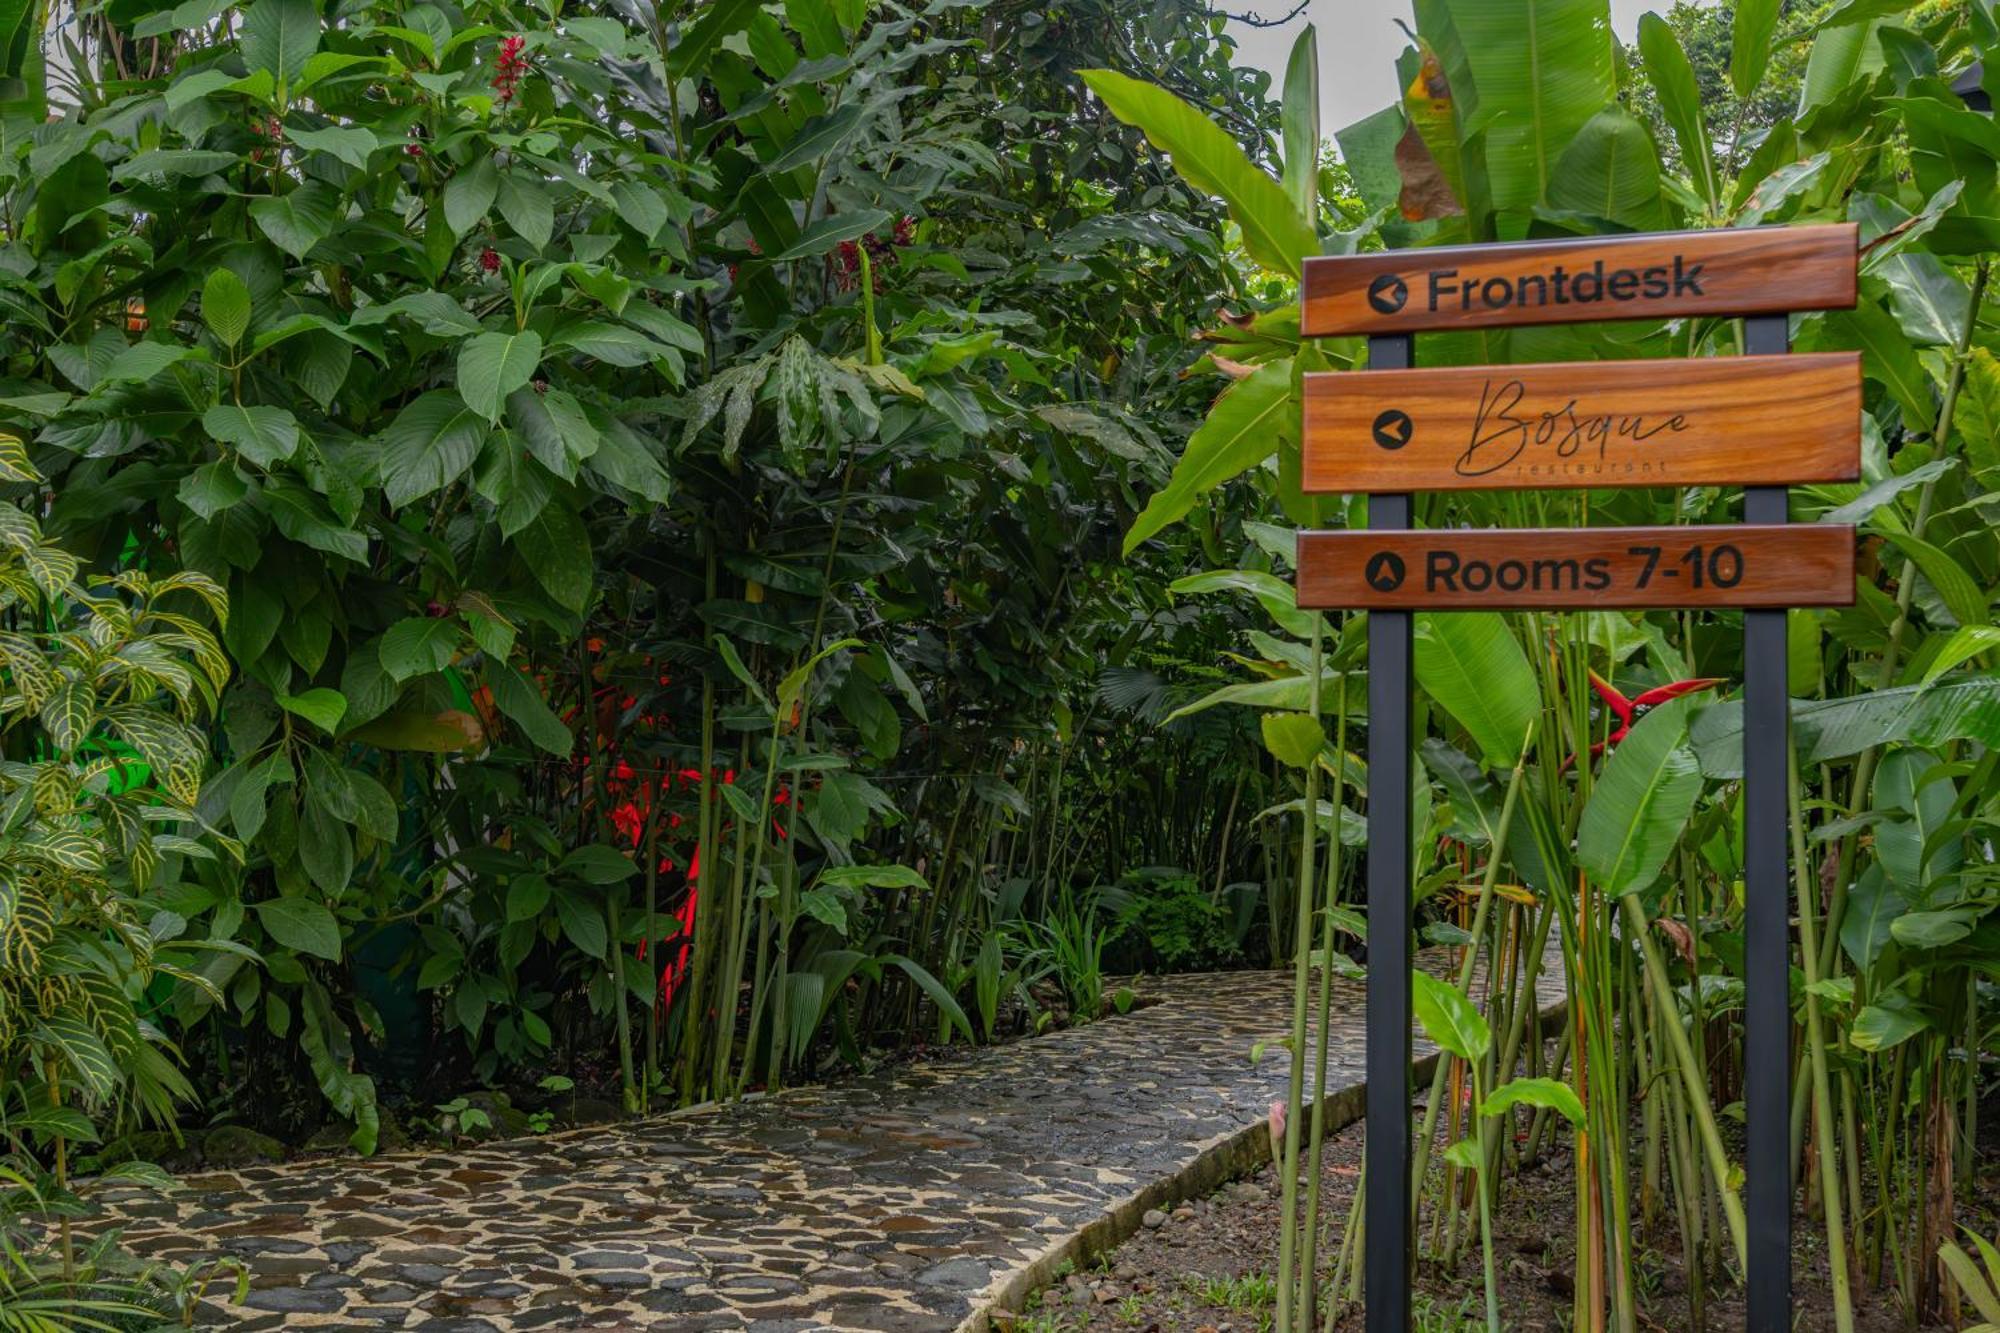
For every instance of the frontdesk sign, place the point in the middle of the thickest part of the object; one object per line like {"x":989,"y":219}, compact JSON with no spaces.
{"x":1714,"y":421}
{"x":1738,"y":565}
{"x":1656,"y":276}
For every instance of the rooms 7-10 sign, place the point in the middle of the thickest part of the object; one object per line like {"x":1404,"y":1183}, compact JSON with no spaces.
{"x":1763,"y":421}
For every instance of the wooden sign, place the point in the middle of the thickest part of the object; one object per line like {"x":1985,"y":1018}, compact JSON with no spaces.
{"x":1712,"y":421}
{"x":1769,"y":565}
{"x":1742,"y":271}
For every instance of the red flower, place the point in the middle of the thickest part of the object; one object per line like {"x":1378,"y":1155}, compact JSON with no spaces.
{"x":1629,"y":711}
{"x":489,"y":259}
{"x":507,"y":71}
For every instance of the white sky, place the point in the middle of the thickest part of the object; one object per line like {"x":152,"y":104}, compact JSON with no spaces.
{"x":1358,"y":44}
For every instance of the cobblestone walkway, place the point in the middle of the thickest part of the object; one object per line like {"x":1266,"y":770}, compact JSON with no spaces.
{"x":906,"y":1200}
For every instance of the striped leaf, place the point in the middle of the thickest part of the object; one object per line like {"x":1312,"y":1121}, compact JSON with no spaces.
{"x":66,"y":848}
{"x":68,"y":713}
{"x":32,"y":675}
{"x":89,"y":1061}
{"x":18,"y":529}
{"x":201,"y":585}
{"x":14,"y":464}
{"x":52,"y":568}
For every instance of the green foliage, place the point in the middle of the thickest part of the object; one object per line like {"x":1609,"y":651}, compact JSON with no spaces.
{"x":102,"y":858}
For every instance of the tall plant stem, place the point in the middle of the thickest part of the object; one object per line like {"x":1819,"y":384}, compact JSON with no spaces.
{"x":1308,"y":1262}
{"x":1420,"y":1161}
{"x":1691,"y":1074}
{"x":726,"y":994}
{"x":1829,"y":1170}
{"x":704,"y":922}
{"x":1288,"y":1234}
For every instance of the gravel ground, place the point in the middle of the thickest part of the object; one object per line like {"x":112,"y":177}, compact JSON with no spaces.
{"x":1204,"y":1268}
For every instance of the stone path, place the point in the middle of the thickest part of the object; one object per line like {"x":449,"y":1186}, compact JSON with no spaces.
{"x":914,"y":1199}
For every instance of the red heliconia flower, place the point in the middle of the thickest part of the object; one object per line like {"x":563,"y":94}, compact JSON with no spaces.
{"x":1629,"y":711}
{"x":507,"y":71}
{"x":489,"y":259}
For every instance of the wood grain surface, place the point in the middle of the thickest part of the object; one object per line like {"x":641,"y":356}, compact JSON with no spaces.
{"x":1710,"y":421}
{"x":1767,"y":565}
{"x":1740,"y":271}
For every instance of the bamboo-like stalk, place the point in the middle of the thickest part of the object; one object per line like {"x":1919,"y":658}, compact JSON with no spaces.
{"x":1309,"y":1259}
{"x":1420,"y":1160}
{"x":1697,"y":1089}
{"x":1829,"y":1170}
{"x":1291,"y":1285}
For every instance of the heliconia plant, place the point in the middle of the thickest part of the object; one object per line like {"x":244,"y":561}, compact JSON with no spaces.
{"x":1622,"y":833}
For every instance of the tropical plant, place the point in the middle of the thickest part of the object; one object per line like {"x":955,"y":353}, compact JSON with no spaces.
{"x":1511,"y":129}
{"x":106,"y":681}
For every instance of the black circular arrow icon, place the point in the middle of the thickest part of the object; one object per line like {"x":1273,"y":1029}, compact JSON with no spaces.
{"x":1392,"y":429}
{"x":1387,"y":293}
{"x":1384,"y":572}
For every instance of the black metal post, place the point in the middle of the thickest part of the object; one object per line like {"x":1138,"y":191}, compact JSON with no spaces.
{"x":1387,"y":1212}
{"x":1767,"y":1021}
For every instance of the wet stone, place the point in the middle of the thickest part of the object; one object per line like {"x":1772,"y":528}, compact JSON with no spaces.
{"x":957,"y":1274}
{"x":889,"y":1202}
{"x":297,"y":1300}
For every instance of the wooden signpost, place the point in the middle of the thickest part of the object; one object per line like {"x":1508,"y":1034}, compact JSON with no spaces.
{"x":1496,"y":569}
{"x":1763,"y":421}
{"x":1663,"y":275}
{"x":1736,"y":421}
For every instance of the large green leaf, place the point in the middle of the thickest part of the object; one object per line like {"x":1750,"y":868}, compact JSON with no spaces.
{"x":299,"y":220}
{"x":1750,"y":43}
{"x":1611,"y":170}
{"x":1301,"y":123}
{"x":302,"y":925}
{"x":264,"y":435}
{"x":1893,"y":1019}
{"x":1641,"y":803}
{"x":1294,"y":739}
{"x":225,"y":306}
{"x":524,"y":706}
{"x":1287,"y":692}
{"x":689,"y":55}
{"x":936,"y":990}
{"x":1471,"y":665}
{"x":1278,"y":598}
{"x":280,"y":36}
{"x":1825,"y":730}
{"x":1275,"y":234}
{"x":418,"y":645}
{"x":1545,"y":1092}
{"x":1474,"y":804}
{"x":1448,"y":1017}
{"x":1672,"y":77}
{"x":1242,"y":430}
{"x":1886,"y":356}
{"x":428,"y":446}
{"x":816,"y":139}
{"x":493,"y":365}
{"x":557,"y":550}
{"x":827,"y":233}
{"x":1542,"y":69}
{"x":1840,"y":55}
